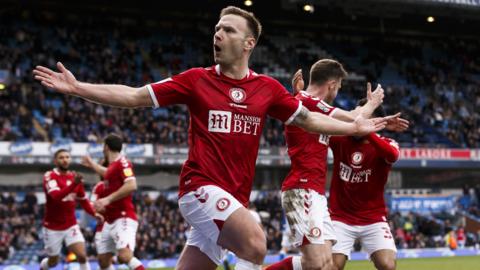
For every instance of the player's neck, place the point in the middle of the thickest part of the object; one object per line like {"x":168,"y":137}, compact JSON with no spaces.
{"x":318,"y":92}
{"x":113,"y":156}
{"x":61,"y":170}
{"x":235,"y":71}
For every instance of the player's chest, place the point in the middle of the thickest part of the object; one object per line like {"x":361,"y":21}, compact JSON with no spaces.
{"x":356,"y":165}
{"x":230,"y":108}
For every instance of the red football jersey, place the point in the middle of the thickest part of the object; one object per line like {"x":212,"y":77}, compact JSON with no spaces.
{"x":98,"y":192}
{"x":308,"y":151}
{"x":226,"y":121}
{"x":360,"y":172}
{"x":119,"y":172}
{"x":60,"y":209}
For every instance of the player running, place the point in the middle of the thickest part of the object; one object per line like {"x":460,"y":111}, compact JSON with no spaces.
{"x":118,"y":235}
{"x":360,"y":171}
{"x":303,"y":190}
{"x":228,"y":104}
{"x":63,"y":188}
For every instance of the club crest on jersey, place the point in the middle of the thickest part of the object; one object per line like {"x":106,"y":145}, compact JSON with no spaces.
{"x":315,"y":232}
{"x":238,"y":95}
{"x":357,"y":158}
{"x":223,"y":204}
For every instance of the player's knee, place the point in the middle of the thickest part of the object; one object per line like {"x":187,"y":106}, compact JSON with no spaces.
{"x":124,"y":256}
{"x":386,"y":264}
{"x":52,"y":261}
{"x":104,"y":263}
{"x":312,"y":264}
{"x":255,"y":249}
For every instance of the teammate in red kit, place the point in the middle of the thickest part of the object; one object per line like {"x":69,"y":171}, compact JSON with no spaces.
{"x":118,"y":234}
{"x":357,"y":207}
{"x":98,"y":192}
{"x":228,"y":104}
{"x":63,"y":188}
{"x":303,"y":190}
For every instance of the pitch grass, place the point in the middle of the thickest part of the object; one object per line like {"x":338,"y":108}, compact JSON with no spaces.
{"x":444,"y":263}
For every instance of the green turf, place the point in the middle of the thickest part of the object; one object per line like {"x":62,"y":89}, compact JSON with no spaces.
{"x":444,"y":263}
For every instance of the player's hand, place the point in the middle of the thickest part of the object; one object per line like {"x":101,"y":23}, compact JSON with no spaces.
{"x":99,"y":217}
{"x":87,"y":161}
{"x":396,"y":123}
{"x":297,"y":82}
{"x":375,"y":97}
{"x":63,"y":81}
{"x":78,"y":178}
{"x":366,"y":126}
{"x":100,"y":204}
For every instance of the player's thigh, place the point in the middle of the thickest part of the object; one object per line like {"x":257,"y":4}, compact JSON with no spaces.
{"x":124,"y":232}
{"x":78,"y":249}
{"x":376,"y":237}
{"x":242,"y":235}
{"x":53,"y":241}
{"x":193,"y":258}
{"x":346,"y":236}
{"x":105,"y":243}
{"x":317,"y":256}
{"x":305,"y":211}
{"x":124,"y":255}
{"x":219,"y":217}
{"x":73,"y":236}
{"x":384,"y":259}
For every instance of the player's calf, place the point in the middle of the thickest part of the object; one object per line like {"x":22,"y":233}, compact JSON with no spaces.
{"x":125,"y":255}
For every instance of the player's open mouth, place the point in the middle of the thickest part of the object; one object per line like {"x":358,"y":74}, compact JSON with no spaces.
{"x":217,"y":48}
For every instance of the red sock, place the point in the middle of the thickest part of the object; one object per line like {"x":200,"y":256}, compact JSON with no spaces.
{"x":140,"y":267}
{"x":285,"y":264}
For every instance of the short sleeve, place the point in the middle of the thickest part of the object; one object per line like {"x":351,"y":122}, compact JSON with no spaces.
{"x":126,"y":171}
{"x":320,"y":106}
{"x":49,"y":183}
{"x":284,"y":106}
{"x":173,"y":90}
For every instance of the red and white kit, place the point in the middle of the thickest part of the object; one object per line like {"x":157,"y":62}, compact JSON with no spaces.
{"x":357,"y":205}
{"x":303,"y":190}
{"x":60,"y":223}
{"x":226,"y":121}
{"x":120,"y":227}
{"x":98,"y":192}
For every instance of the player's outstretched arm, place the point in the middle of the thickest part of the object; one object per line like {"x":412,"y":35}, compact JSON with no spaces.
{"x":88,"y":162}
{"x":109,"y":94}
{"x":322,"y":124}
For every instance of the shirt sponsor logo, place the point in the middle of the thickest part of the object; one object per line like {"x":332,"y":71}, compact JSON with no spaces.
{"x":348,"y":175}
{"x":324,"y":139}
{"x":238,"y":95}
{"x":224,"y":122}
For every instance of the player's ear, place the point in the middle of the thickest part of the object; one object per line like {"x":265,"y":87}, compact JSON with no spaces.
{"x":250,"y":43}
